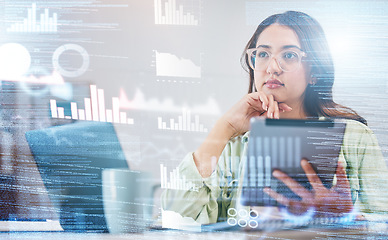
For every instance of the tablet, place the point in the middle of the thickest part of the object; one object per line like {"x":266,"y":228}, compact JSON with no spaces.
{"x":281,"y":144}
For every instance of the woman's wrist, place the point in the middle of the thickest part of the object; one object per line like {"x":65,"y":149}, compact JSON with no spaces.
{"x":226,"y":128}
{"x":206,"y":156}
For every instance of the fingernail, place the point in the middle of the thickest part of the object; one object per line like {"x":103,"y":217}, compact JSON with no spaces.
{"x":304,"y":162}
{"x":276,"y":174}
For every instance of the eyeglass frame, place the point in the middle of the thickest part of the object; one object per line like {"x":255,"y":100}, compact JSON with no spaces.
{"x":249,"y":52}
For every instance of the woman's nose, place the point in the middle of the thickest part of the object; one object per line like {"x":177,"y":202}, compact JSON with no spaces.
{"x":273,"y":66}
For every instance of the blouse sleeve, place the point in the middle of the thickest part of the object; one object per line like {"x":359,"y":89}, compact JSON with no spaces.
{"x":200,"y":200}
{"x":208,"y":199}
{"x":367,"y":171}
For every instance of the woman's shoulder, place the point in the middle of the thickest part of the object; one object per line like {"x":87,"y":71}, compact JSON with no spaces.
{"x":357,"y":133}
{"x":356,"y":127}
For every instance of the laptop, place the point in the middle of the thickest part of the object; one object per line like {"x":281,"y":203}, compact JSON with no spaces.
{"x":70,"y":159}
{"x":281,"y":144}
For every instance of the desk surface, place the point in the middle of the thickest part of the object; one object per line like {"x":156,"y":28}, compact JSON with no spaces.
{"x":307,"y":233}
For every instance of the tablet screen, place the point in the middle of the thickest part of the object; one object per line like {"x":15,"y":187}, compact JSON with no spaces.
{"x":281,"y":144}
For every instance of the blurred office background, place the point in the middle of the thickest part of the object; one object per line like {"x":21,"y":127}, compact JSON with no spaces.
{"x":162,"y":70}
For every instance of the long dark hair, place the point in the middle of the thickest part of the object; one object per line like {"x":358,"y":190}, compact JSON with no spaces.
{"x":318,"y":97}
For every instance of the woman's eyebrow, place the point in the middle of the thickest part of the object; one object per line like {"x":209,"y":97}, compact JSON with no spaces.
{"x":264,"y":46}
{"x":291,"y":46}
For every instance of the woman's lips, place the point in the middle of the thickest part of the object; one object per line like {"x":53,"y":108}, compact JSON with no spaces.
{"x":273,"y":83}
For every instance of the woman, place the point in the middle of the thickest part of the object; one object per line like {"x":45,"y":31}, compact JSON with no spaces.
{"x":291,"y":76}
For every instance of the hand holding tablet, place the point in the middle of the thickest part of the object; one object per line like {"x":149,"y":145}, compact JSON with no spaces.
{"x":275,"y":176}
{"x":325,"y":202}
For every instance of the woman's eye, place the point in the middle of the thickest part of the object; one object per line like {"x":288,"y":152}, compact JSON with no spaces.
{"x":290,"y":55}
{"x":262,"y":54}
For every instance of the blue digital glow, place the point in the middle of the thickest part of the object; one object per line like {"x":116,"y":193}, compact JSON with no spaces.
{"x":298,"y":219}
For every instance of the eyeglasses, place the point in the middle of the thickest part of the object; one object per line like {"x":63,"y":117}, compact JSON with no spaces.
{"x":288,"y":60}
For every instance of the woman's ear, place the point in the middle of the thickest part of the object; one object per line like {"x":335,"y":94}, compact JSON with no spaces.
{"x":310,"y":77}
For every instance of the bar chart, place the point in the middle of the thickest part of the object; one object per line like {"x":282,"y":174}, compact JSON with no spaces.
{"x":264,"y":155}
{"x":177,"y":181}
{"x":184,"y":123}
{"x":45,"y":24}
{"x":94,"y":109}
{"x":172,"y":14}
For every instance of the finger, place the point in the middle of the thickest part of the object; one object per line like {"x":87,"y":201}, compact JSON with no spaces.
{"x":312,"y":176}
{"x":255,"y":95}
{"x":254,"y":100}
{"x":277,"y":196}
{"x":284,"y":107}
{"x":270,"y":106}
{"x":276,"y":112}
{"x":264,"y":100}
{"x":292,"y":184}
{"x":342,"y":180}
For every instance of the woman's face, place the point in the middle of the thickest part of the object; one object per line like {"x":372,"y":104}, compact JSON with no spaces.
{"x":287,"y":87}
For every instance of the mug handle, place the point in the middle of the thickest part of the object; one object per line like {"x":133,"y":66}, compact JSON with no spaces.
{"x":154,"y":188}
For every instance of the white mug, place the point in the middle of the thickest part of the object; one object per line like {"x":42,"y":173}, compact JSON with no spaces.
{"x":127,"y":197}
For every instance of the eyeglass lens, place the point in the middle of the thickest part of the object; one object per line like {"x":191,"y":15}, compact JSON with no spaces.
{"x":288,"y":60}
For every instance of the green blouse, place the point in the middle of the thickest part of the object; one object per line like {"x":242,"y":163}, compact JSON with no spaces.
{"x":209,"y":199}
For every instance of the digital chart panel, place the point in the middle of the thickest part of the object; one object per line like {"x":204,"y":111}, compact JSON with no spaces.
{"x":35,"y":21}
{"x":177,"y":12}
{"x":173,"y":180}
{"x":183,"y":123}
{"x":94,"y":109}
{"x":60,"y":38}
{"x":170,"y":65}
